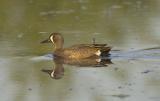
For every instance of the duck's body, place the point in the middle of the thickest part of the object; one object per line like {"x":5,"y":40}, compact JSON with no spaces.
{"x":81,"y":51}
{"x":78,"y":51}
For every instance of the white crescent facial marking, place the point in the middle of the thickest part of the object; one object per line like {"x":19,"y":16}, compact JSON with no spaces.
{"x":98,"y":53}
{"x":51,"y":38}
{"x":52,"y":74}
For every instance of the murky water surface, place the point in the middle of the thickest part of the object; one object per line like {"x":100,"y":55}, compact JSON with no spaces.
{"x":131,"y":27}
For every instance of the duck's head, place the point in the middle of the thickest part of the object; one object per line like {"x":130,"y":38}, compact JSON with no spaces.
{"x":56,"y":39}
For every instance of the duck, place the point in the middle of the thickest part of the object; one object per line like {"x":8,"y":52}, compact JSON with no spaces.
{"x":78,"y":51}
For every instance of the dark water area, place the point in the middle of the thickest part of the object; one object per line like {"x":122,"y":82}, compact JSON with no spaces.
{"x":131,"y":72}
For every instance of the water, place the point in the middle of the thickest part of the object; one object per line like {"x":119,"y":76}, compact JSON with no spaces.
{"x":144,"y":54}
{"x":130,"y":27}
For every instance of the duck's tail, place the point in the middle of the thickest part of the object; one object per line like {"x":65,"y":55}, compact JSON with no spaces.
{"x":105,"y":51}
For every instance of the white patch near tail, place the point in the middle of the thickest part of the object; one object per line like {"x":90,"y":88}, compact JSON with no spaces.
{"x":98,"y":53}
{"x":98,"y":60}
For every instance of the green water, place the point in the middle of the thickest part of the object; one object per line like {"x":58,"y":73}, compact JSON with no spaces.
{"x":125,"y":25}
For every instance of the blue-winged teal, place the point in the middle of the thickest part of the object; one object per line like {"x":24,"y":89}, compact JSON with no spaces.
{"x":79,"y":51}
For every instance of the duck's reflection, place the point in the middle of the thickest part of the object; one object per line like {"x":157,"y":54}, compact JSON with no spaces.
{"x":58,"y":70}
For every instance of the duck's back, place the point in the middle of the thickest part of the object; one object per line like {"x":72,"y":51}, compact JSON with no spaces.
{"x":83,"y":51}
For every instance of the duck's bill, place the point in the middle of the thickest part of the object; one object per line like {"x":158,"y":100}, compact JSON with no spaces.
{"x":46,"y":41}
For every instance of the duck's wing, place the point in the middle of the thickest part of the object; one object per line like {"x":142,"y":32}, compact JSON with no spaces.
{"x":88,"y":45}
{"x":86,"y":50}
{"x":99,"y":45}
{"x":80,"y":51}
